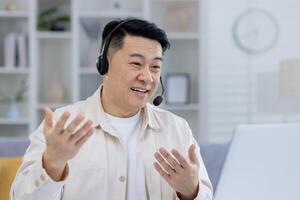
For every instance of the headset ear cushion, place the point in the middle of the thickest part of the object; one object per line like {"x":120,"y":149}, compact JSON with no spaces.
{"x":104,"y":65}
{"x":101,"y":65}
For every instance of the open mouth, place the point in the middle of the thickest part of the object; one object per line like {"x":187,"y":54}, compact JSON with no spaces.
{"x":139,"y":90}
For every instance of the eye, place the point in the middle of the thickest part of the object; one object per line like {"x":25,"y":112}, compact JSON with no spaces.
{"x":137,"y":64}
{"x":155,"y":68}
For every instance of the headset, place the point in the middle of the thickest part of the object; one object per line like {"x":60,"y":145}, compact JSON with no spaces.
{"x":102,"y":62}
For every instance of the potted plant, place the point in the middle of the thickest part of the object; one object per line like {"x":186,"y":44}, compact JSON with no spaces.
{"x":50,"y":20}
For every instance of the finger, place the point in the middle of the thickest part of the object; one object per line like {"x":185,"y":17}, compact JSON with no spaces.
{"x":181,"y":159}
{"x":81,"y":132}
{"x":192,"y":154}
{"x":174,"y":163}
{"x":166,"y":166}
{"x":61,"y":123}
{"x":165,"y":175}
{"x":81,"y":141}
{"x":48,"y":124}
{"x":73,"y":125}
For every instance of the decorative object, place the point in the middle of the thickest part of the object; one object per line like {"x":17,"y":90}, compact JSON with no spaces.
{"x":177,"y":19}
{"x":10,"y":6}
{"x":255,"y":31}
{"x":268,"y":99}
{"x":55,"y":92}
{"x":16,"y":106}
{"x":116,"y":4}
{"x":289,"y":81}
{"x":50,"y":20}
{"x":92,"y":28}
{"x":177,"y":88}
{"x":14,"y":112}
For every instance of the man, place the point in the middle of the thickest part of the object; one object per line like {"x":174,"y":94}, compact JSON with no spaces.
{"x":115,"y":145}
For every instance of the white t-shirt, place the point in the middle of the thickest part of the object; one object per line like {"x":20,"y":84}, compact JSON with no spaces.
{"x":127,"y":129}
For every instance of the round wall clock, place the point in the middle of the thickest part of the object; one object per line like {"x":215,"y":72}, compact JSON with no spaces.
{"x":255,"y":31}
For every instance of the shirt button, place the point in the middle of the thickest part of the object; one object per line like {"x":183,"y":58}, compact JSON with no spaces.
{"x":43,"y":177}
{"x":122,"y":178}
{"x":37,"y":184}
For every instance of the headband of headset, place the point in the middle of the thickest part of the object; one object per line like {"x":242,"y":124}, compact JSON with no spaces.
{"x":102,"y":62}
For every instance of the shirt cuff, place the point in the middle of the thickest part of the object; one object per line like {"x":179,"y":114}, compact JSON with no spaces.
{"x":204,"y":192}
{"x":44,"y":184}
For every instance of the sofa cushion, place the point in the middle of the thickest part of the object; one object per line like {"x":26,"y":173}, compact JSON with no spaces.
{"x":8,"y":170}
{"x":213,"y":157}
{"x":13,"y":146}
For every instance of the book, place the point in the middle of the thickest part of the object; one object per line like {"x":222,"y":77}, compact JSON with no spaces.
{"x":10,"y":50}
{"x":21,"y":50}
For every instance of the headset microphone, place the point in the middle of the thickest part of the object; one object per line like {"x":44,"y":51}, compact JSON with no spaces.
{"x":159,"y":99}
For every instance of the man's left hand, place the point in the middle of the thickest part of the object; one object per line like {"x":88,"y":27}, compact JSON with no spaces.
{"x":179,"y":172}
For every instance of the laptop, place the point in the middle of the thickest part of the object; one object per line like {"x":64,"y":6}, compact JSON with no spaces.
{"x":263,"y":163}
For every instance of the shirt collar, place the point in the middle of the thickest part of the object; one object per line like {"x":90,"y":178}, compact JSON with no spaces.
{"x":150,"y":118}
{"x":96,"y":113}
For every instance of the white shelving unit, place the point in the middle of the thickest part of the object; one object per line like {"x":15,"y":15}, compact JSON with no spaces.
{"x":12,"y":78}
{"x":180,"y":19}
{"x":67,"y":58}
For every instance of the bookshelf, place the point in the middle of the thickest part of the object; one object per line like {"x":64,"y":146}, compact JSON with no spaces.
{"x":66,"y":59}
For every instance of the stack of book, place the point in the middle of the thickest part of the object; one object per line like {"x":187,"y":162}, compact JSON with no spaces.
{"x":15,"y":50}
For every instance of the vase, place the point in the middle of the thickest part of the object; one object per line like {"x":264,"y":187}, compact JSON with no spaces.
{"x":14,"y":111}
{"x":56,"y":92}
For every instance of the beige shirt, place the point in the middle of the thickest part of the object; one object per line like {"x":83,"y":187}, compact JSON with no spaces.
{"x":99,"y":170}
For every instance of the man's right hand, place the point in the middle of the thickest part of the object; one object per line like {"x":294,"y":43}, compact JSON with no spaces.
{"x":62,"y":144}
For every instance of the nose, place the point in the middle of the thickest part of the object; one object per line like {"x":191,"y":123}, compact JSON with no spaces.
{"x":145,"y":75}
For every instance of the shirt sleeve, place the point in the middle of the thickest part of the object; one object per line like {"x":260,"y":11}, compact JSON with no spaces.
{"x":205,"y":187}
{"x":32,"y":181}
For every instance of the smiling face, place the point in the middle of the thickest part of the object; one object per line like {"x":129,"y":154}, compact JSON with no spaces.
{"x":133,"y":76}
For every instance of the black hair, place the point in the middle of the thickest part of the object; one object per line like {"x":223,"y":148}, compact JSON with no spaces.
{"x":134,"y":27}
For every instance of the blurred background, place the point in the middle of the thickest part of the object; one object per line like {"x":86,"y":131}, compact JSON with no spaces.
{"x":231,"y":62}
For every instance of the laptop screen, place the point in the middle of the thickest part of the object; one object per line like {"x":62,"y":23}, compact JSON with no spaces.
{"x":263,"y":163}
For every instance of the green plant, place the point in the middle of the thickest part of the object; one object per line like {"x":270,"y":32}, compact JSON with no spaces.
{"x":49,"y":19}
{"x":19,"y":95}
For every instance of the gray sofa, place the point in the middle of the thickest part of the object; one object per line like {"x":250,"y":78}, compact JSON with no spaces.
{"x":213,"y":157}
{"x":213,"y":154}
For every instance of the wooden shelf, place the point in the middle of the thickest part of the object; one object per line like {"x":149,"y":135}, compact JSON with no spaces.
{"x":51,"y":105}
{"x":187,"y":107}
{"x":21,"y":121}
{"x":14,"y":70}
{"x":54,"y":35}
{"x":110,"y":14}
{"x":14,"y":14}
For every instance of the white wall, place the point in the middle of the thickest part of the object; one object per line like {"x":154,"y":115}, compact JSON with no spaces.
{"x":243,"y":88}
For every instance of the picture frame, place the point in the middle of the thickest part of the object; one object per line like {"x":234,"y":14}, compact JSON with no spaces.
{"x":177,"y":88}
{"x":177,"y":18}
